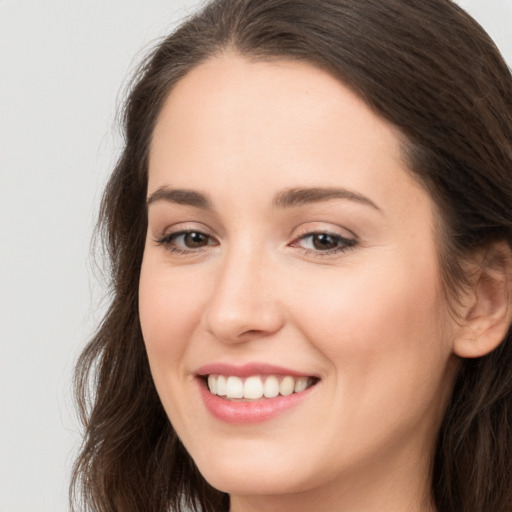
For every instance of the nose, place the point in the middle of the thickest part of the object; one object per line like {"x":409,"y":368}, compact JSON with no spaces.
{"x":244,"y":304}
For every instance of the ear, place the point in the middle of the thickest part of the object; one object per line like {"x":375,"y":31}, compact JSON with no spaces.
{"x":488,"y":311}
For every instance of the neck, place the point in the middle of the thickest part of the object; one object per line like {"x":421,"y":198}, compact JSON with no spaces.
{"x":403,"y":486}
{"x":329,"y":500}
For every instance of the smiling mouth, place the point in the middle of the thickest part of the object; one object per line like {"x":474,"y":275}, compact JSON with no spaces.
{"x":257,"y":387}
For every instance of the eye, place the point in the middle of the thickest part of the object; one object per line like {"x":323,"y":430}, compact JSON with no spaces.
{"x":191,"y":240}
{"x":186,"y":241}
{"x":323,"y":243}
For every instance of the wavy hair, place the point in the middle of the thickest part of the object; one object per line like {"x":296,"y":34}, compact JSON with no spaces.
{"x":432,"y":71}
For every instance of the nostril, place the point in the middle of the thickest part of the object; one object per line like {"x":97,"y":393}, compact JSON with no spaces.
{"x":238,"y":313}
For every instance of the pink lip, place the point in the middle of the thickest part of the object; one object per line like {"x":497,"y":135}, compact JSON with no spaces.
{"x":250,"y":412}
{"x":257,"y":411}
{"x":247,"y":370}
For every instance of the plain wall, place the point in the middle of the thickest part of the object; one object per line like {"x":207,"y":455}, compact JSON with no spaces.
{"x":62,"y":67}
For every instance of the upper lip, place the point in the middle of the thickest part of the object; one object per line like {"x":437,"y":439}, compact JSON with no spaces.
{"x":248,"y":369}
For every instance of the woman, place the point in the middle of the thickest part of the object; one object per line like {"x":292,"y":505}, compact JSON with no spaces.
{"x":309,"y":230}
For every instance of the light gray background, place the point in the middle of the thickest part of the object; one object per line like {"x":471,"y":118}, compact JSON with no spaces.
{"x":62,"y":67}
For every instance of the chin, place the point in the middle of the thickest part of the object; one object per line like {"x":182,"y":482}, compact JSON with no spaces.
{"x":252,"y":482}
{"x":267,"y":474}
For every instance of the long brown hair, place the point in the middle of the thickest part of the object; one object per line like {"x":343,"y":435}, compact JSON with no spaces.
{"x":432,"y":71}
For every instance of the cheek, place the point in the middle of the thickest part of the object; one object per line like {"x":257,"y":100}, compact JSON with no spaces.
{"x":380,"y":327}
{"x":170,"y":309}
{"x":381,"y":334}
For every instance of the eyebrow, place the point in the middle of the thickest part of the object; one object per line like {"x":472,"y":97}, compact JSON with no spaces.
{"x":287,"y":198}
{"x":180,"y":196}
{"x":300,"y":196}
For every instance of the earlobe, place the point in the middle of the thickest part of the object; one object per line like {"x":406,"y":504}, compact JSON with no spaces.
{"x":487,"y":318}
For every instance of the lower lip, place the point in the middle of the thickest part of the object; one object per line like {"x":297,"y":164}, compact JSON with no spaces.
{"x":256,"y":411}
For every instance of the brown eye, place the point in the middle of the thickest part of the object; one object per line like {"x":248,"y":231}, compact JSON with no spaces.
{"x":324,"y":241}
{"x":186,"y":241}
{"x":195,"y":239}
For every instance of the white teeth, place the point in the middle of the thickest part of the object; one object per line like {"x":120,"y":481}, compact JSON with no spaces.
{"x":212,"y":384}
{"x":271,"y":387}
{"x":234,"y":387}
{"x":286,"y":386}
{"x":221,"y":386}
{"x":301,"y":384}
{"x":253,"y":388}
{"x":256,"y":386}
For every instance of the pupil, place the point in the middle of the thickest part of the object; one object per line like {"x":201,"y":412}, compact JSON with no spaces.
{"x":323,"y":242}
{"x":193,"y":240}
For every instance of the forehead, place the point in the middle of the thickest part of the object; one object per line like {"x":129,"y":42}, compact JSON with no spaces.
{"x":230,"y":122}
{"x":227,"y":89}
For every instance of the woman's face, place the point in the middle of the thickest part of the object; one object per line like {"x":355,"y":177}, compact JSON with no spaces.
{"x":288,"y":247}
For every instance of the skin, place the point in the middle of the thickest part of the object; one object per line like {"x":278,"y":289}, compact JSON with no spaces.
{"x":368,"y":317}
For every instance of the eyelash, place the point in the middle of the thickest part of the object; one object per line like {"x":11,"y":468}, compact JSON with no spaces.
{"x":343,"y":244}
{"x":168,"y":240}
